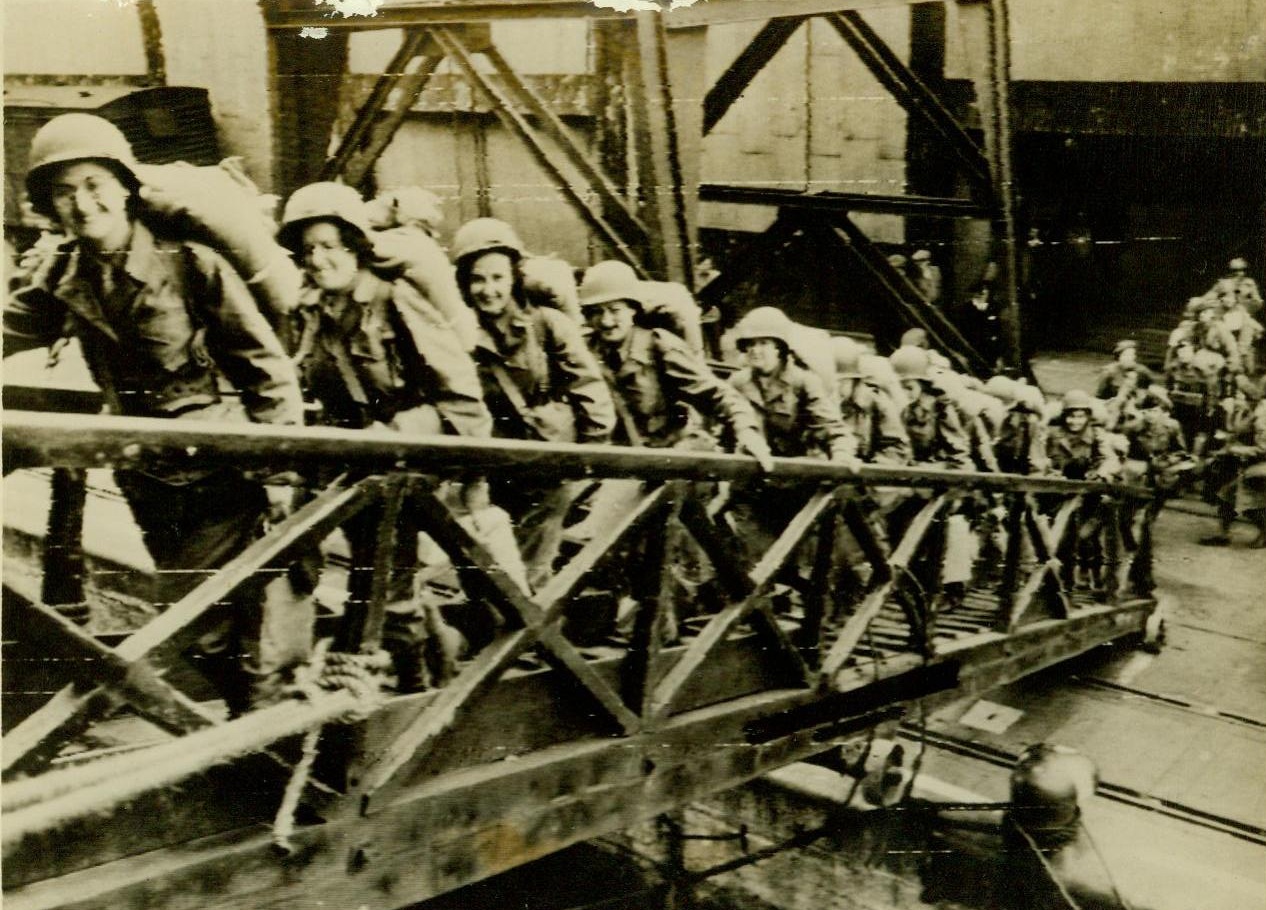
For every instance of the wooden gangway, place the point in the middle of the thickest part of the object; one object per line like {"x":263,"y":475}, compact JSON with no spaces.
{"x":542,"y":737}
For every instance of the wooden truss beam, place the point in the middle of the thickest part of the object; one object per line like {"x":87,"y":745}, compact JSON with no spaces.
{"x":39,"y":736}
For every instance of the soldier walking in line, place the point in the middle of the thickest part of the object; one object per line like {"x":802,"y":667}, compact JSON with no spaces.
{"x":373,"y":352}
{"x":162,"y":320}
{"x":539,"y":378}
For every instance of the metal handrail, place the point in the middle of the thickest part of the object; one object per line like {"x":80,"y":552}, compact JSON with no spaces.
{"x":35,"y":439}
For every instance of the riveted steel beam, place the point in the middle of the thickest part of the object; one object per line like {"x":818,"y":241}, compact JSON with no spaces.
{"x":913,"y":95}
{"x":796,"y":200}
{"x":740,"y":73}
{"x":552,"y":160}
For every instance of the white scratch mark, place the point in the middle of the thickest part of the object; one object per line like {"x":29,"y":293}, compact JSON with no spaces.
{"x":349,"y":8}
{"x":309,"y":31}
{"x":628,"y":6}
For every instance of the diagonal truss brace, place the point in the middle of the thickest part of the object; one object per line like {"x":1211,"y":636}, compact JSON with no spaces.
{"x":503,"y":97}
{"x":540,"y":616}
{"x":38,"y":737}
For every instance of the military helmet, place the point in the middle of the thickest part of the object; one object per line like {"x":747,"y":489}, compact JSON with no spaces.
{"x":921,"y":256}
{"x":1076,"y":400}
{"x":1127,"y":344}
{"x":848,"y":357}
{"x":915,"y":337}
{"x":325,"y":201}
{"x":486,"y":235}
{"x":76,"y":137}
{"x":910,"y":362}
{"x":1003,"y":388}
{"x":764,"y":322}
{"x":609,"y":281}
{"x":1238,"y":264}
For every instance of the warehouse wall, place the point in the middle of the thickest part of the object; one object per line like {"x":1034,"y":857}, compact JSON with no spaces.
{"x":1130,"y":40}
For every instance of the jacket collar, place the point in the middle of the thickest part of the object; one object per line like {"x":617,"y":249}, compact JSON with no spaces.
{"x":143,"y":264}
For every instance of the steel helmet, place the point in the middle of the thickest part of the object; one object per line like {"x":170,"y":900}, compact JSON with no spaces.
{"x":1003,"y":388}
{"x":764,"y":322}
{"x":848,"y":357}
{"x":910,"y":362}
{"x":1030,"y":396}
{"x":324,"y":201}
{"x":1076,"y":400}
{"x":1238,"y":264}
{"x":484,"y":235}
{"x":916,"y":337}
{"x":611,"y":280}
{"x":76,"y":137}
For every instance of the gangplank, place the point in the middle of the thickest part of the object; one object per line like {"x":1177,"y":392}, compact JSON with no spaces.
{"x":539,"y":740}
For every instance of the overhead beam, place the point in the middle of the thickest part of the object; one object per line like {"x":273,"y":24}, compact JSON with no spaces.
{"x":913,"y":95}
{"x":721,"y":12}
{"x":740,"y":73}
{"x":663,"y":191}
{"x":297,"y":14}
{"x":840,"y":203}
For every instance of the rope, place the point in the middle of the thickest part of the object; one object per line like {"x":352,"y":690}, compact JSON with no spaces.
{"x":362,"y":676}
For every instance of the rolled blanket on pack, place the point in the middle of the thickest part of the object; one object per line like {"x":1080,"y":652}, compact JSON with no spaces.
{"x":552,"y":282}
{"x":670,"y":305}
{"x":221,"y":207}
{"x":413,"y":254}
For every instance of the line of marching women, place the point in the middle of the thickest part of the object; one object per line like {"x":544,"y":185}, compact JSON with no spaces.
{"x":183,"y":313}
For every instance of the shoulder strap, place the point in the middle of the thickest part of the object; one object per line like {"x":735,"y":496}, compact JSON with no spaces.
{"x":622,"y":410}
{"x":513,"y":395}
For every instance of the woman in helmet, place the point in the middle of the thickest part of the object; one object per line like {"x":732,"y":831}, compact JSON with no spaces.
{"x":866,"y":408}
{"x":539,"y":378}
{"x":936,"y":432}
{"x":1245,"y":492}
{"x":161,"y":322}
{"x":660,"y":385}
{"x":1076,"y":447}
{"x":374,"y":352}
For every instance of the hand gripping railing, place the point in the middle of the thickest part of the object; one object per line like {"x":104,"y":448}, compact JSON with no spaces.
{"x":893,"y":600}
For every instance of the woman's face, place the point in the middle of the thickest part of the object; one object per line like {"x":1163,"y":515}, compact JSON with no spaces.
{"x":91,"y":203}
{"x":1076,"y":421}
{"x":326,"y":259}
{"x":491,"y":285}
{"x":764,"y":356}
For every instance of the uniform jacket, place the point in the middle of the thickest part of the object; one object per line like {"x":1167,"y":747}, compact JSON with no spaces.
{"x":796,"y":414}
{"x":1083,"y":455}
{"x":1114,"y":376}
{"x":1215,"y":336}
{"x":1020,"y":445}
{"x":1246,"y":331}
{"x":927,"y":278}
{"x":659,"y":380}
{"x":158,"y":331}
{"x":936,"y":433}
{"x":874,"y":419}
{"x":545,"y":356}
{"x":382,"y":350}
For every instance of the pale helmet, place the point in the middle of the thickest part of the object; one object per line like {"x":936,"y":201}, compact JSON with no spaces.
{"x":324,"y":201}
{"x":848,"y":357}
{"x":76,"y":137}
{"x":764,"y":322}
{"x":910,"y":362}
{"x":486,"y":235}
{"x":609,"y":281}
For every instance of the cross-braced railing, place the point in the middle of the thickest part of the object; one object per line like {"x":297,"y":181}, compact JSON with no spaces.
{"x":848,"y":613}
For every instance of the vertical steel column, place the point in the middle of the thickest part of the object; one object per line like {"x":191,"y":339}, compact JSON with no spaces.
{"x":987,"y":26}
{"x":306,"y":74}
{"x":662,"y":190}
